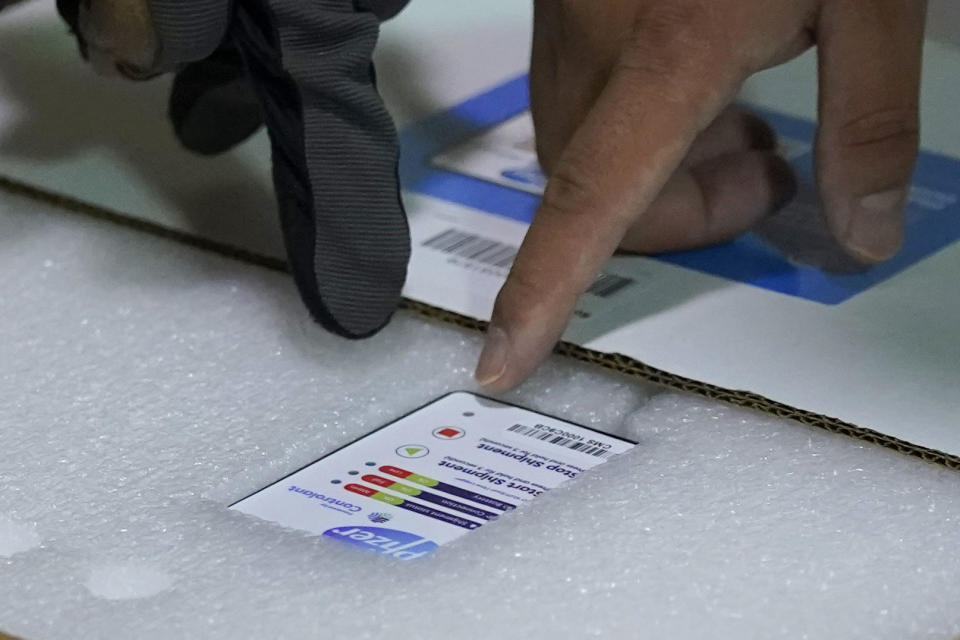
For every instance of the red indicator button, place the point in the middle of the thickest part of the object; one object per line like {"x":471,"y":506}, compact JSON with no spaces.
{"x":362,"y":490}
{"x":395,"y":471}
{"x":377,"y":480}
{"x":448,"y":433}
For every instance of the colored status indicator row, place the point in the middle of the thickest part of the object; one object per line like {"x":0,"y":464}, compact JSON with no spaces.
{"x":427,"y":496}
{"x":416,"y":478}
{"x":415,"y":507}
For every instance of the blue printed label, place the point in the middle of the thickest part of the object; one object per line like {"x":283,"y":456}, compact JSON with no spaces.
{"x":477,"y":155}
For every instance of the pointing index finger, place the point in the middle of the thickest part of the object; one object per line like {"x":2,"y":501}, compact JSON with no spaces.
{"x":616,"y":163}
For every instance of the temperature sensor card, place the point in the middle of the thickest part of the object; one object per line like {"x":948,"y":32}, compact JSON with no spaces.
{"x":433,"y":475}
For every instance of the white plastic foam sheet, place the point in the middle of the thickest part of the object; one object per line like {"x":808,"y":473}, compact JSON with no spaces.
{"x":147,"y":385}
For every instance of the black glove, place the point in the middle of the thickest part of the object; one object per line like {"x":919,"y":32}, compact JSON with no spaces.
{"x":335,"y":149}
{"x":214,"y":105}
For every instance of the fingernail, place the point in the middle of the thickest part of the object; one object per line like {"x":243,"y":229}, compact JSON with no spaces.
{"x":875,"y":230}
{"x":493,"y":358}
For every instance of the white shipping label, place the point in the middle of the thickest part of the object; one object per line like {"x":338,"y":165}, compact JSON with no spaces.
{"x":505,"y":155}
{"x":433,"y":475}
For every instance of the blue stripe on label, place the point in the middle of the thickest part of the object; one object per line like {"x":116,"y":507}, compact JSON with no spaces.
{"x":933,"y":216}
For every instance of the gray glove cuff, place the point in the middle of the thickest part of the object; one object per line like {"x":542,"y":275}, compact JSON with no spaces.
{"x":188,"y":30}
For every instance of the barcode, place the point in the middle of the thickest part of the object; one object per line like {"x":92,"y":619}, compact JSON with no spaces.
{"x":501,"y":255}
{"x":467,"y":245}
{"x":552,"y":438}
{"x":608,"y":284}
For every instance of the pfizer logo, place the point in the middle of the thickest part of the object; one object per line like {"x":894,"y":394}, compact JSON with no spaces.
{"x":401,"y":545}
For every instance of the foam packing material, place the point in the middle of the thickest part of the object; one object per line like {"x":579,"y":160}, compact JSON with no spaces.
{"x":146,"y":385}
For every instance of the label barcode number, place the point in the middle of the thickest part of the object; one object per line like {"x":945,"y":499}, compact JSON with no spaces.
{"x":501,"y":255}
{"x":552,"y":438}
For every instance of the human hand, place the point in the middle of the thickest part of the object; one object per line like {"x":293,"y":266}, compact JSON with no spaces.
{"x":115,"y":36}
{"x":630,"y":101}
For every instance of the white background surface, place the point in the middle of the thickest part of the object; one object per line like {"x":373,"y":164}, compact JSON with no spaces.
{"x":147,"y":386}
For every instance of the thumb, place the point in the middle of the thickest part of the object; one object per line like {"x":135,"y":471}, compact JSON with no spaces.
{"x":870,"y":57}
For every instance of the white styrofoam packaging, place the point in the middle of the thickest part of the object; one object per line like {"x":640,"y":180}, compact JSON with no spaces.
{"x":147,"y":386}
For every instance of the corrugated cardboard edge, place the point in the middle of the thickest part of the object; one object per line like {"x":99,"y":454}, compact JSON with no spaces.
{"x":616,"y":362}
{"x":636,"y":369}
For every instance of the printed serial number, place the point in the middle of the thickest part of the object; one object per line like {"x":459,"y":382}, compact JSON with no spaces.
{"x":590,"y":447}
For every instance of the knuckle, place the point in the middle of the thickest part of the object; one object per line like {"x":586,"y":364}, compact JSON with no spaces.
{"x":674,"y":33}
{"x":516,"y":303}
{"x":870,"y":152}
{"x":889,"y":130}
{"x":684,"y":49}
{"x":666,"y":22}
{"x":568,"y":194}
{"x":124,"y":28}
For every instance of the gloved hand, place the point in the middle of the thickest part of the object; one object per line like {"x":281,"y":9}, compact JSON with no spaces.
{"x":304,"y":68}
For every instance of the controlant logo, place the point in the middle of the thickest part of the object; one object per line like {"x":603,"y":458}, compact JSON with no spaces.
{"x":326,"y":501}
{"x":380,"y":517}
